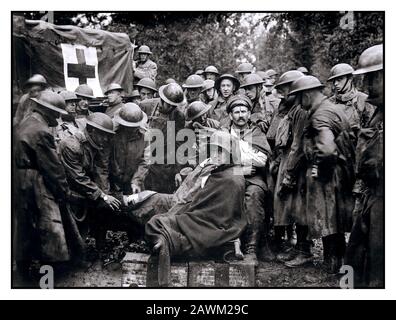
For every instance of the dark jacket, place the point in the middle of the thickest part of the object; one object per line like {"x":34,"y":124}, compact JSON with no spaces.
{"x":35,"y":149}
{"x":128,"y":163}
{"x":87,"y":168}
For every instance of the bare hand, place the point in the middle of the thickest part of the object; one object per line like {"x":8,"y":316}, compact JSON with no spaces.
{"x":113,"y":203}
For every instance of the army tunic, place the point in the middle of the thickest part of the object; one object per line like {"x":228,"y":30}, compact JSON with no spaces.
{"x":328,"y":144}
{"x":290,"y":206}
{"x":161,"y":176}
{"x":218,"y":111}
{"x":357,"y":110}
{"x":41,"y":186}
{"x":147,"y":69}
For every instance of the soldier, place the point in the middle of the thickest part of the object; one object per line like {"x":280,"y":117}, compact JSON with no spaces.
{"x":272,"y":74}
{"x":165,"y":112}
{"x":85,"y":94}
{"x":303,"y":70}
{"x":252,"y":85}
{"x":144,"y":68}
{"x":289,"y":171}
{"x":201,"y":219}
{"x":193,"y":87}
{"x":329,"y":153}
{"x":357,"y":110}
{"x":129,"y":168}
{"x":211,"y":73}
{"x":243,"y":70}
{"x":226,"y":85}
{"x":197,"y":120}
{"x":114,"y":96}
{"x":86,"y":159}
{"x":254,"y":151}
{"x":147,"y":89}
{"x":33,"y":86}
{"x":42,"y":228}
{"x":208,"y":93}
{"x":365,"y":252}
{"x":67,"y":125}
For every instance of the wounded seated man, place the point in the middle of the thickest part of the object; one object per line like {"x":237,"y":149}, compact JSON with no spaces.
{"x":208,"y":210}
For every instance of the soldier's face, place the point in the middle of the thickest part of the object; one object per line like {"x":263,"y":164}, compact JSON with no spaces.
{"x":146,"y":94}
{"x":283,"y":90}
{"x":35,"y":90}
{"x":374,"y":81}
{"x":71,"y":107}
{"x":113,"y":96}
{"x":82,"y":106}
{"x":136,"y":100}
{"x":102,"y":139}
{"x":240,"y":116}
{"x":339,"y":83}
{"x":210,"y":93}
{"x":193,"y":93}
{"x":210,"y":76}
{"x":306,"y":100}
{"x":165,"y":108}
{"x":226,"y":88}
{"x":143,"y":57}
{"x":252,"y":92}
{"x":272,"y":79}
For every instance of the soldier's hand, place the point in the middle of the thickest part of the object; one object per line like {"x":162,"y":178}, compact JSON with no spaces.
{"x":135,"y":188}
{"x":178,"y":180}
{"x":113,"y":203}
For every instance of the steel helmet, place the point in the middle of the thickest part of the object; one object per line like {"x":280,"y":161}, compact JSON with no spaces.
{"x":84,"y":91}
{"x":69,"y":96}
{"x":262,"y":74}
{"x":146,"y":83}
{"x":135,"y":94}
{"x":196,"y":109}
{"x":208,"y":84}
{"x":130,"y":115}
{"x":113,"y":87}
{"x":172,"y":94}
{"x":199,"y":72}
{"x":238,"y":101}
{"x":288,"y":77}
{"x":303,"y":70}
{"x":52,"y":101}
{"x":193,"y":81}
{"x":236,"y":82}
{"x":170,"y":80}
{"x":144,"y":49}
{"x":340,"y":70}
{"x":36,"y":79}
{"x":101,"y":121}
{"x":371,"y":60}
{"x":252,"y":79}
{"x":245,"y":67}
{"x":305,"y":83}
{"x":271,"y":72}
{"x":211,"y":69}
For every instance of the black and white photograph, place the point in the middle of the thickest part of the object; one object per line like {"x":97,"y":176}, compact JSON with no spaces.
{"x":197,"y":149}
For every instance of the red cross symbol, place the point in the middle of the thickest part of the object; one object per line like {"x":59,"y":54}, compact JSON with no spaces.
{"x":81,"y":69}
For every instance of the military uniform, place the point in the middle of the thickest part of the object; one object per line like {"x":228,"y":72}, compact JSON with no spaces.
{"x":41,"y":187}
{"x":256,"y":187}
{"x":161,"y":177}
{"x":218,"y":111}
{"x":147,"y":69}
{"x":358,"y":111}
